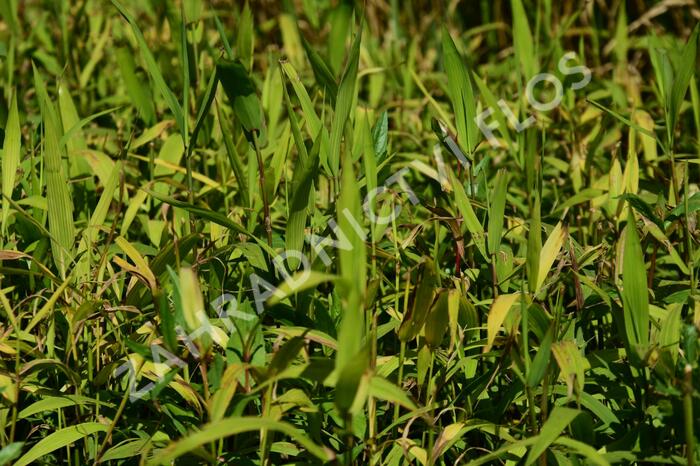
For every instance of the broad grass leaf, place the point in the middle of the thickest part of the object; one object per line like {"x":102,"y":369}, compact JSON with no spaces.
{"x":621,"y":38}
{"x":630,"y":177}
{"x":661,"y":237}
{"x":294,"y":123}
{"x":58,"y":195}
{"x":127,"y":449}
{"x":298,"y":282}
{"x":310,"y":334}
{"x":549,"y":253}
{"x":139,"y":261}
{"x":437,"y":322}
{"x":241,"y":92}
{"x":497,"y":314}
{"x":99,"y":215}
{"x":663,"y":70}
{"x":234,"y":158}
{"x":571,"y":363}
{"x":626,"y":121}
{"x":192,"y":301}
{"x":369,"y":159}
{"x":557,"y":421}
{"x":693,"y":205}
{"x":48,"y":306}
{"x":591,"y":454}
{"x":137,"y":89}
{"x":291,"y":37}
{"x":313,"y":122}
{"x":72,"y":138}
{"x":223,"y":428}
{"x":615,"y":187}
{"x":668,"y":337}
{"x":302,"y":192}
{"x":322,"y":72}
{"x":153,"y":69}
{"x":207,"y":214}
{"x":53,"y":403}
{"x":59,"y":439}
{"x":343,"y":104}
{"x":540,"y":363}
{"x":11,"y":153}
{"x":635,"y":296}
{"x":222,"y":36}
{"x":220,"y":400}
{"x":684,"y":71}
{"x":423,"y":298}
{"x":470,"y":220}
{"x":491,"y":102}
{"x":461,"y":91}
{"x":523,"y":42}
{"x":599,"y":409}
{"x":382,"y":389}
{"x":168,"y":324}
{"x":353,"y":268}
{"x":643,"y":208}
{"x":285,"y":355}
{"x":380,"y":135}
{"x":447,"y":438}
{"x":516,"y":447}
{"x":350,"y":388}
{"x":534,"y":247}
{"x":245,"y":40}
{"x":453,"y":305}
{"x":204,"y":108}
{"x":10,"y":452}
{"x":340,"y":20}
{"x":496,"y":211}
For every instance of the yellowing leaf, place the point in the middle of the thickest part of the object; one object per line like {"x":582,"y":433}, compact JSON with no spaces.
{"x":549,"y":252}
{"x":192,"y":301}
{"x":497,"y":314}
{"x":141,"y":265}
{"x":571,"y":363}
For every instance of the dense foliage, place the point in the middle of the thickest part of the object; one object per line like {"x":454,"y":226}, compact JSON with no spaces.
{"x":384,"y":232}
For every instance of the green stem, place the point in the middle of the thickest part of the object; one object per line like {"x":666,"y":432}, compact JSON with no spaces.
{"x":263,"y":192}
{"x":402,"y":355}
{"x":688,"y":414}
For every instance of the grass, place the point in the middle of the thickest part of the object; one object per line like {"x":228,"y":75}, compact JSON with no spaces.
{"x":349,"y":232}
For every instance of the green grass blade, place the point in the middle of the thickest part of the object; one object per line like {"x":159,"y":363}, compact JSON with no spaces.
{"x":635,"y":297}
{"x":321,"y":70}
{"x":245,"y":40}
{"x":233,"y":426}
{"x":59,"y":439}
{"x":242,"y":94}
{"x":313,"y":122}
{"x":496,"y":211}
{"x":684,"y":71}
{"x":138,"y":91}
{"x":471,"y":221}
{"x":153,"y":69}
{"x":459,"y":84}
{"x":523,"y":42}
{"x":353,"y":268}
{"x":558,"y":420}
{"x":11,"y":154}
{"x":343,"y":105}
{"x":534,"y":247}
{"x":58,"y":196}
{"x":302,"y":190}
